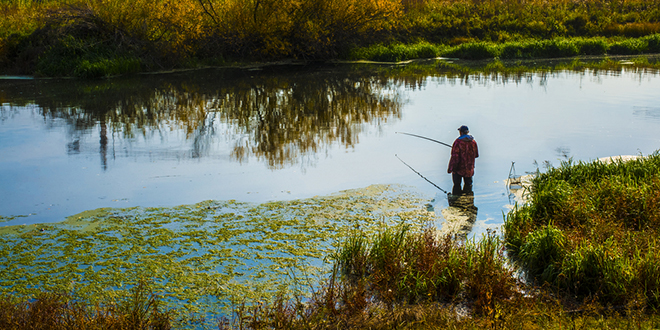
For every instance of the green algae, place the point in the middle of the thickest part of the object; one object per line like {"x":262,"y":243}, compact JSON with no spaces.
{"x":199,"y":257}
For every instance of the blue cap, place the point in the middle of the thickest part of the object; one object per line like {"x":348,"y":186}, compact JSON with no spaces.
{"x":464,"y":129}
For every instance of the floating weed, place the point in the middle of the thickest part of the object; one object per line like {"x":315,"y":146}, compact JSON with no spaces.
{"x":6,"y":219}
{"x":196,"y":255}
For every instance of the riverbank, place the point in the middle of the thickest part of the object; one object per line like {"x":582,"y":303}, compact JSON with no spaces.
{"x":105,"y":38}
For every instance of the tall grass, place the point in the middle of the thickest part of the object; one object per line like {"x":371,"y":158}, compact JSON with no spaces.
{"x":590,"y":230}
{"x":402,"y":267}
{"x":61,"y":311}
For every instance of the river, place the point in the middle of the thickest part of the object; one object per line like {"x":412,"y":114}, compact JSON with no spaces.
{"x":291,"y":132}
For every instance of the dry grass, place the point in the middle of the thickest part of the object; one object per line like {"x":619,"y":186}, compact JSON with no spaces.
{"x":60,"y":311}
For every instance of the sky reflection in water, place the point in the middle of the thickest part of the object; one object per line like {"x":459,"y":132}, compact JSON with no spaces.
{"x":295,"y":132}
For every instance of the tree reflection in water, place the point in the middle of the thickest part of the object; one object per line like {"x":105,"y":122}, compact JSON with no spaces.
{"x":279,"y":114}
{"x":277,"y":117}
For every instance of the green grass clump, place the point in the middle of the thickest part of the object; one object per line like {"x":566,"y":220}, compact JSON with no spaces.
{"x":524,"y":49}
{"x":397,"y":52}
{"x":653,"y":43}
{"x":542,"y":48}
{"x":628,"y":47}
{"x":541,"y":250}
{"x":590,"y":230}
{"x":474,"y":51}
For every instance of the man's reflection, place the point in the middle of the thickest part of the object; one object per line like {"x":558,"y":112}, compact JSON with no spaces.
{"x":461,"y":214}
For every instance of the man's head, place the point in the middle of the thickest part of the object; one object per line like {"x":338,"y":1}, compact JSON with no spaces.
{"x":464,"y":129}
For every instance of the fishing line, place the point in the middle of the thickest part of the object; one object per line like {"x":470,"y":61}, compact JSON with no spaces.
{"x":429,"y":181}
{"x":423,"y":137}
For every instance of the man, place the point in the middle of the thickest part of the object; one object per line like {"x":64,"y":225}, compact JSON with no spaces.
{"x":461,"y":164}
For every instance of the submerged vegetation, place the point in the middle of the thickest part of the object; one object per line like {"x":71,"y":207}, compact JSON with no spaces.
{"x":200,"y":258}
{"x":108,"y":37}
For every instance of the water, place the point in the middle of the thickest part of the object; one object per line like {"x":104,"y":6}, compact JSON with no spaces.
{"x":288,"y":132}
{"x":241,"y":138}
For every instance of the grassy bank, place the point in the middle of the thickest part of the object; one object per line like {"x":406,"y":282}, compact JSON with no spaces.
{"x":583,"y":253}
{"x":591,"y":230}
{"x":525,"y":49}
{"x":106,"y":37}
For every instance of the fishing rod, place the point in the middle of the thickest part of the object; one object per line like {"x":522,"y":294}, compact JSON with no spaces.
{"x":429,"y":181}
{"x":423,"y":137}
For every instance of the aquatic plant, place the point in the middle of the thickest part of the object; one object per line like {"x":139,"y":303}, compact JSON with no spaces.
{"x":200,"y":258}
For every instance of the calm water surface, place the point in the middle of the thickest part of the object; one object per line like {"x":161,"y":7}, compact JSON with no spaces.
{"x":295,"y":132}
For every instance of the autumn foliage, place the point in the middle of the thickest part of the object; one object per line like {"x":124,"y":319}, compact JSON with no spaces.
{"x":106,"y":37}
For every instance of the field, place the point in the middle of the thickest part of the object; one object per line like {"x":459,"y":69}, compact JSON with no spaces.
{"x":108,"y":37}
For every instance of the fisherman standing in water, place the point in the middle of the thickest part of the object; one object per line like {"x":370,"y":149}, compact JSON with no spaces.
{"x":461,"y":164}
